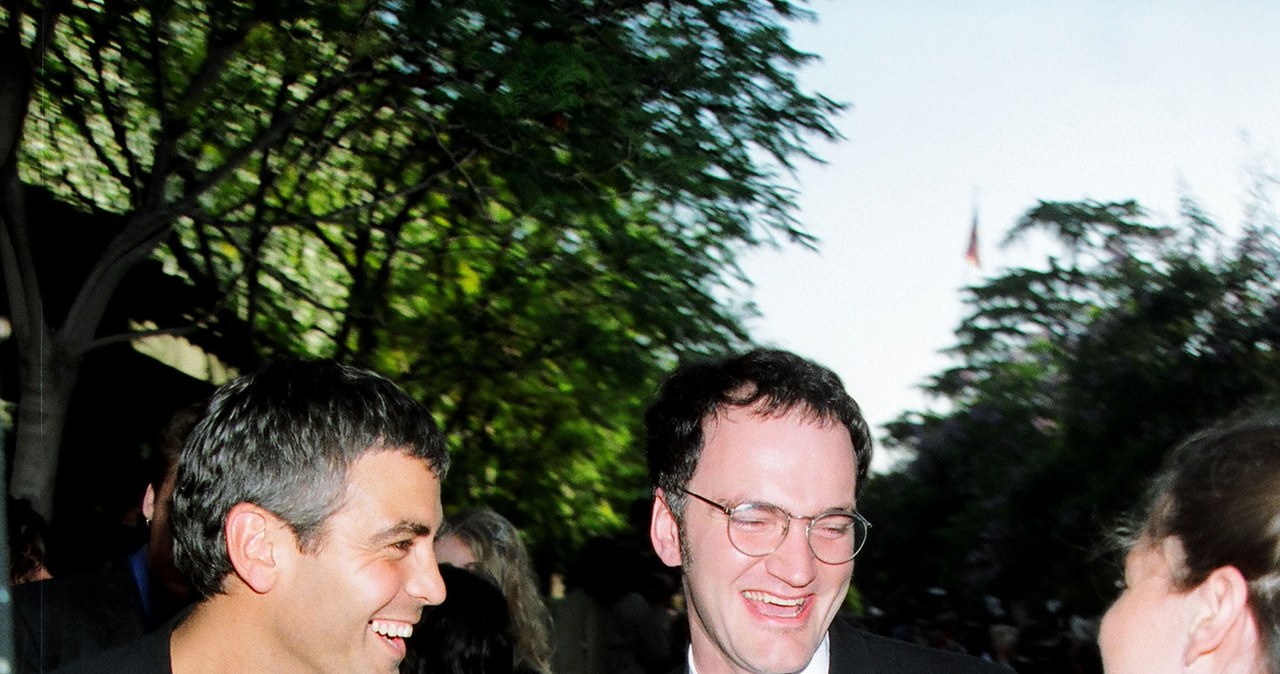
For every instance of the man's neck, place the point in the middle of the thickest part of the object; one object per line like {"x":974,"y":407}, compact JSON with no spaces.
{"x":200,"y":643}
{"x":820,"y":663}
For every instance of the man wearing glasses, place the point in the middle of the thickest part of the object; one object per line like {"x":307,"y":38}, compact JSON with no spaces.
{"x":757,"y":461}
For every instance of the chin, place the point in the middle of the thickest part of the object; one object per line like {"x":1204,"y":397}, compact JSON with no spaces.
{"x":783,"y":659}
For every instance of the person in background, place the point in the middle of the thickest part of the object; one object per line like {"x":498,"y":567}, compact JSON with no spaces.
{"x":79,"y":615}
{"x":304,"y":514}
{"x":633,"y":618}
{"x":1202,"y":571}
{"x":756,"y":462}
{"x":470,"y":633}
{"x":27,"y":534}
{"x":167,"y":591}
{"x":481,"y":540}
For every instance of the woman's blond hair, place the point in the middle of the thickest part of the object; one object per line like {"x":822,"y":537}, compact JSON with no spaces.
{"x":502,"y":555}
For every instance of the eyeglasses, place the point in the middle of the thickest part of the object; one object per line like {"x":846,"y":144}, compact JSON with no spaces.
{"x":758,"y":529}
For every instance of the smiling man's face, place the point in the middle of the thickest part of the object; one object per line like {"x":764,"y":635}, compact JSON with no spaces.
{"x":760,"y":615}
{"x":359,"y":592}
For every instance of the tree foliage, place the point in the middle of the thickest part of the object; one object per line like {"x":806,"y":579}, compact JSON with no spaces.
{"x":522,"y":211}
{"x":1074,"y":380}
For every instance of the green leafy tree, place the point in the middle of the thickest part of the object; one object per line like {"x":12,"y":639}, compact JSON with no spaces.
{"x":1074,"y":380}
{"x":523,"y":211}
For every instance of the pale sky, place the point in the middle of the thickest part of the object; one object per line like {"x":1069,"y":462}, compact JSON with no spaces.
{"x":1054,"y":100}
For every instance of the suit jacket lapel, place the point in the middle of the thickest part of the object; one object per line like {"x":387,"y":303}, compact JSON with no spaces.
{"x":849,"y":652}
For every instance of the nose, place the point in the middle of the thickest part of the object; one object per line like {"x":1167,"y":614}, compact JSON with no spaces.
{"x":793,"y":562}
{"x":425,"y":583}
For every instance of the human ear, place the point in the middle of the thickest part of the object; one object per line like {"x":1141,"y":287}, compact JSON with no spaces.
{"x":663,"y":530}
{"x":253,"y":545}
{"x":1221,"y":623}
{"x":149,"y":503}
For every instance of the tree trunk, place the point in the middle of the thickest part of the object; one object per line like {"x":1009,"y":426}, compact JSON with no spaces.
{"x":47,"y":374}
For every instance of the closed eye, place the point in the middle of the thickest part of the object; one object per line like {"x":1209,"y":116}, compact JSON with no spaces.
{"x":750,"y":523}
{"x":834,"y":530}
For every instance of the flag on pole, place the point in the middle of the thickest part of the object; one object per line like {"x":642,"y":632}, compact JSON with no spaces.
{"x":971,"y":255}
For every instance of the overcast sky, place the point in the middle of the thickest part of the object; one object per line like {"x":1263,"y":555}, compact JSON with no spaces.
{"x":1016,"y":101}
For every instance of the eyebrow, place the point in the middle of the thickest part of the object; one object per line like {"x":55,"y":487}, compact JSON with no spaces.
{"x":401,"y":528}
{"x":843,"y":510}
{"x":843,"y":506}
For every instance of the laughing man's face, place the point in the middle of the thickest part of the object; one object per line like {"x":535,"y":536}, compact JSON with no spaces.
{"x":362,"y":588}
{"x":760,"y":615}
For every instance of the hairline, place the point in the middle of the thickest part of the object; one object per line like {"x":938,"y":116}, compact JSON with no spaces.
{"x":761,"y":407}
{"x":315,"y":541}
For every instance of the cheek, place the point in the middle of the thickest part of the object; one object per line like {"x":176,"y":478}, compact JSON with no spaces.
{"x":1121,"y":641}
{"x":836,"y":576}
{"x":376,"y":584}
{"x":1107,"y":627}
{"x":710,"y":561}
{"x":1116,"y":617}
{"x":707,"y":549}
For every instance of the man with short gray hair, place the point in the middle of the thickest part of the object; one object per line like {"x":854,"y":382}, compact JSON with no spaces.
{"x":306,"y":503}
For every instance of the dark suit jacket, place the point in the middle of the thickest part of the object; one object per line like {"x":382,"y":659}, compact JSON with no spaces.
{"x":856,"y":652}
{"x":67,"y":618}
{"x":148,"y":655}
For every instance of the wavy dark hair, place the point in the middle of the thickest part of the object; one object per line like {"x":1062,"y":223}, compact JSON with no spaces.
{"x":470,"y":633}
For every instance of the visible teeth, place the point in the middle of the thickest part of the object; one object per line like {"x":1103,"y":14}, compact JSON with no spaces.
{"x":770,"y":599}
{"x":391,"y":629}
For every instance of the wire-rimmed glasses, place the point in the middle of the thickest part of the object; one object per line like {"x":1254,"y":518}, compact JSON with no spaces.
{"x":758,"y":529}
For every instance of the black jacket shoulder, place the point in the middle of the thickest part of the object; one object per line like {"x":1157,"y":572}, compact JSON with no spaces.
{"x":148,"y":655}
{"x":66,"y":618}
{"x":853,"y":650}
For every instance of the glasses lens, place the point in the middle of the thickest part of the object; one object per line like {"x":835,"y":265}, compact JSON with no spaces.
{"x":757,"y":530}
{"x":836,"y":537}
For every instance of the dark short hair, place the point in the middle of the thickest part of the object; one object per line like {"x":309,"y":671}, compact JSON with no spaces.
{"x":772,"y":381}
{"x":163,"y":458}
{"x":284,"y":439}
{"x":1218,"y":493}
{"x":469,"y":632}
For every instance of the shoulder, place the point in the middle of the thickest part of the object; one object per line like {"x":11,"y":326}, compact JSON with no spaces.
{"x":103,"y":592}
{"x":853,"y":649}
{"x":71,"y":617}
{"x":148,"y":655}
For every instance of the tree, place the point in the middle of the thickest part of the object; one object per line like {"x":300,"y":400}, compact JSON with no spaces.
{"x":494,"y":200}
{"x":1074,"y":380}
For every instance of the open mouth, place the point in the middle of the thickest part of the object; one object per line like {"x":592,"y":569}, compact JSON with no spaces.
{"x":393,"y":633}
{"x":774,"y":606}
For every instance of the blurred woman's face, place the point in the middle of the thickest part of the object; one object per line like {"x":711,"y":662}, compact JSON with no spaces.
{"x":1143,"y":632}
{"x":455,"y":551}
